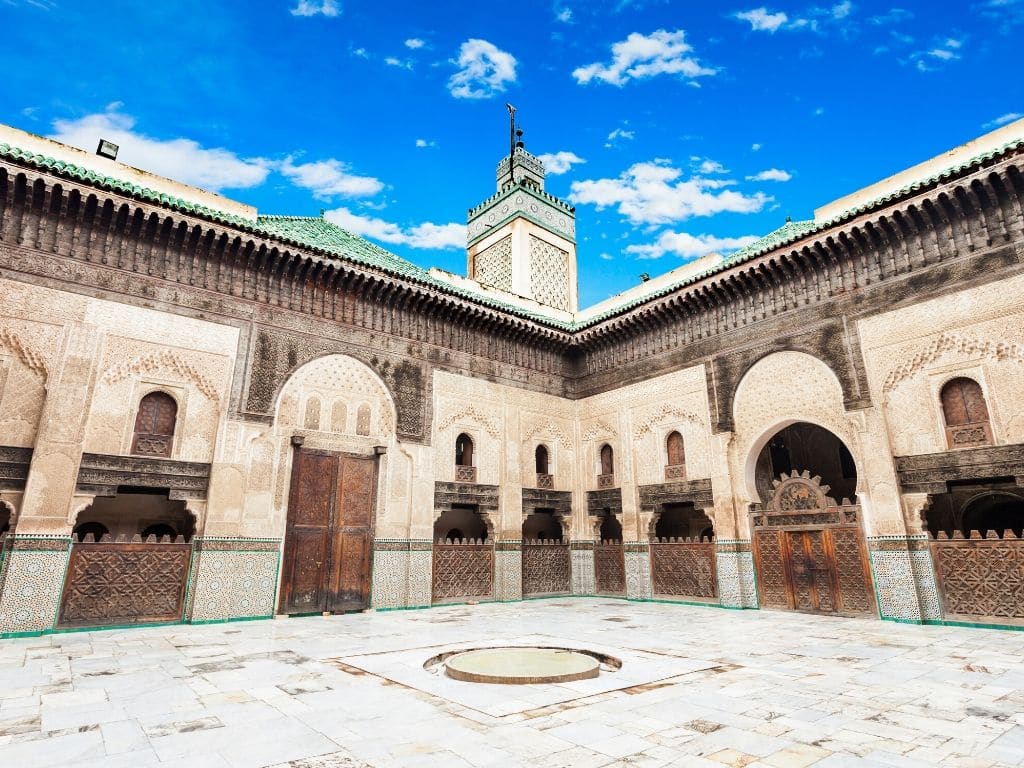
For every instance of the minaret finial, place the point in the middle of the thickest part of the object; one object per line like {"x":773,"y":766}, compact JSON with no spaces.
{"x":511,"y":129}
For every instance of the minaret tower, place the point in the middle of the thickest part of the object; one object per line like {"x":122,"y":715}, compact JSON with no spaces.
{"x":521,"y":239}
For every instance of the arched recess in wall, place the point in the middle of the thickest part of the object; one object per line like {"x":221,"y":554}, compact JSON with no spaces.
{"x":780,"y":390}
{"x":347,"y":386}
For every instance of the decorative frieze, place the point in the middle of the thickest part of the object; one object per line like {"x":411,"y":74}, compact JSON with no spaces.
{"x":100,"y":475}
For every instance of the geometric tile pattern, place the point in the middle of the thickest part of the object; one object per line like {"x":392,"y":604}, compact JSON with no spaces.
{"x":390,"y":579}
{"x":508,"y":564}
{"x":31,"y":589}
{"x":684,"y":569}
{"x":748,"y":579}
{"x":730,"y":591}
{"x":638,"y":572}
{"x":421,"y":560}
{"x":927,"y":590}
{"x":583,"y":572}
{"x":233,"y":584}
{"x":895,"y":584}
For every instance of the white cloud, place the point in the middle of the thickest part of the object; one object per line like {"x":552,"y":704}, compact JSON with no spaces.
{"x":618,"y":133}
{"x":841,"y":10}
{"x":946,"y":51}
{"x":654,"y":193}
{"x":391,"y":61}
{"x":755,"y":147}
{"x":558,"y":163}
{"x":1009,"y":117}
{"x":564,"y":15}
{"x":427,"y":235}
{"x":313,"y":8}
{"x":688,"y":246}
{"x":421,"y":143}
{"x":819,"y":111}
{"x":414,"y":43}
{"x":484,"y":70}
{"x":180,"y":159}
{"x":330,"y":178}
{"x":892,"y":16}
{"x":606,"y":257}
{"x":707,"y":165}
{"x":772,"y":174}
{"x":361,"y":53}
{"x":640,"y":56}
{"x":761,"y":20}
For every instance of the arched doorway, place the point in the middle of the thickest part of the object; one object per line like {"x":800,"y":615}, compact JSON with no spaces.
{"x":341,"y":406}
{"x":809,"y":549}
{"x":129,"y":561}
{"x":977,"y":546}
{"x":463,"y":561}
{"x":546,"y":558}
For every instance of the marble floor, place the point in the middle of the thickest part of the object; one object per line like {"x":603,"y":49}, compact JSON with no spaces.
{"x":698,"y":687}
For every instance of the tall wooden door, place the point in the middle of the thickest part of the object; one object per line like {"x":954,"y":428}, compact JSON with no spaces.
{"x":811,"y":567}
{"x":809,"y":552}
{"x":329,"y":535}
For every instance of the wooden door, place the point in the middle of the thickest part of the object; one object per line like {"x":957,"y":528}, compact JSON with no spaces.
{"x":811,"y":570}
{"x":352,"y":537}
{"x":329,"y":535}
{"x":821,"y":570}
{"x":310,"y":511}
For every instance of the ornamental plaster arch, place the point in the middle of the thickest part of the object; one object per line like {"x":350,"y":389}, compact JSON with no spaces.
{"x":781,"y":389}
{"x":330,"y":378}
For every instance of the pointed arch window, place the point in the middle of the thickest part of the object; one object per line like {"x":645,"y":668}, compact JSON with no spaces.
{"x":675,"y":466}
{"x":606,"y":479}
{"x":542,"y":465}
{"x":465,"y":472}
{"x":154,"y":425}
{"x":965,"y":413}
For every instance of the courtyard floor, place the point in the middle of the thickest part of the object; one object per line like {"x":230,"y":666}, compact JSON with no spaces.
{"x":698,"y":687}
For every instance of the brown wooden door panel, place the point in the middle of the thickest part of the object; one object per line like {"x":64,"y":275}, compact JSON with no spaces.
{"x":852,"y":573}
{"x":310,"y":509}
{"x":350,"y":577}
{"x":329,"y":541}
{"x":305,"y":568}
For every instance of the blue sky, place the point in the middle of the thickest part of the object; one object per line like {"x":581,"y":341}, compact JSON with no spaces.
{"x":676,"y":128}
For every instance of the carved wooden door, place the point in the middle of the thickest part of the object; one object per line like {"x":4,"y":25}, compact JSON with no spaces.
{"x":352,"y":539}
{"x":329,"y":533}
{"x":811,"y":571}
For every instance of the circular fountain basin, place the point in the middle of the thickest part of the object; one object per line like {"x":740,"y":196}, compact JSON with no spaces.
{"x":521,"y":666}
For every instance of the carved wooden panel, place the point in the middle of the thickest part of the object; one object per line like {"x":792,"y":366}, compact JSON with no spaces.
{"x":465,"y":474}
{"x":124,"y":583}
{"x":684,"y":569}
{"x":349,"y":578}
{"x":981,"y":578}
{"x":851,"y":570}
{"x":606,"y":481}
{"x":329,"y":536}
{"x":463,"y":571}
{"x":544,"y":480}
{"x":610,"y":568}
{"x":307,"y":536}
{"x":772,"y":582}
{"x":546,"y":568}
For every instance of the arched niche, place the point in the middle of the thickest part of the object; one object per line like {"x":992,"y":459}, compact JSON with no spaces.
{"x":780,"y":390}
{"x":349,"y":387}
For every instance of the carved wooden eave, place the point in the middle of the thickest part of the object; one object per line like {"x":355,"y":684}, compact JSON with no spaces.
{"x":941,"y":208}
{"x":242,"y":248}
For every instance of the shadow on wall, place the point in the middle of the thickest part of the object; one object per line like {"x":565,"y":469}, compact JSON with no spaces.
{"x":803,"y":446}
{"x":131,"y":512}
{"x":460,"y":522}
